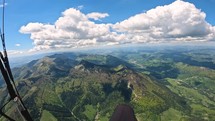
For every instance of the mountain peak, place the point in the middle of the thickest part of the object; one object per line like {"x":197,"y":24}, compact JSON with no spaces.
{"x":87,"y":64}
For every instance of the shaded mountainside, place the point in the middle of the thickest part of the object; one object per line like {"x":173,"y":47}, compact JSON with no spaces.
{"x":89,"y":87}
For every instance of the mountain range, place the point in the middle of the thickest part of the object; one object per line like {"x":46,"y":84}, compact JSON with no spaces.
{"x":71,"y":86}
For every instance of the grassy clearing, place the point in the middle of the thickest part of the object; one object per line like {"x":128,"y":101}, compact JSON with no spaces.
{"x":189,"y":93}
{"x":171,"y":115}
{"x":50,"y":97}
{"x":47,"y":116}
{"x":202,"y":106}
{"x":205,"y":113}
{"x":90,"y":112}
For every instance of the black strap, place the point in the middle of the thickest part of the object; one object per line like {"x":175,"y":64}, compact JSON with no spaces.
{"x":8,"y":77}
{"x":11,"y":91}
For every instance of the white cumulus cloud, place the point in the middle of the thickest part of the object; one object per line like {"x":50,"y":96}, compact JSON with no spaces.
{"x":80,"y":7}
{"x":178,"y":21}
{"x":15,"y":52}
{"x":170,"y":22}
{"x":17,"y":45}
{"x":97,"y":15}
{"x":72,"y":29}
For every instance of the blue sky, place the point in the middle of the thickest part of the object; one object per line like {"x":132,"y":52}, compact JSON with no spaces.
{"x":21,"y":13}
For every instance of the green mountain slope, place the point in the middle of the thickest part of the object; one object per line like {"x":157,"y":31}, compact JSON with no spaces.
{"x":187,"y":72}
{"x":81,"y":87}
